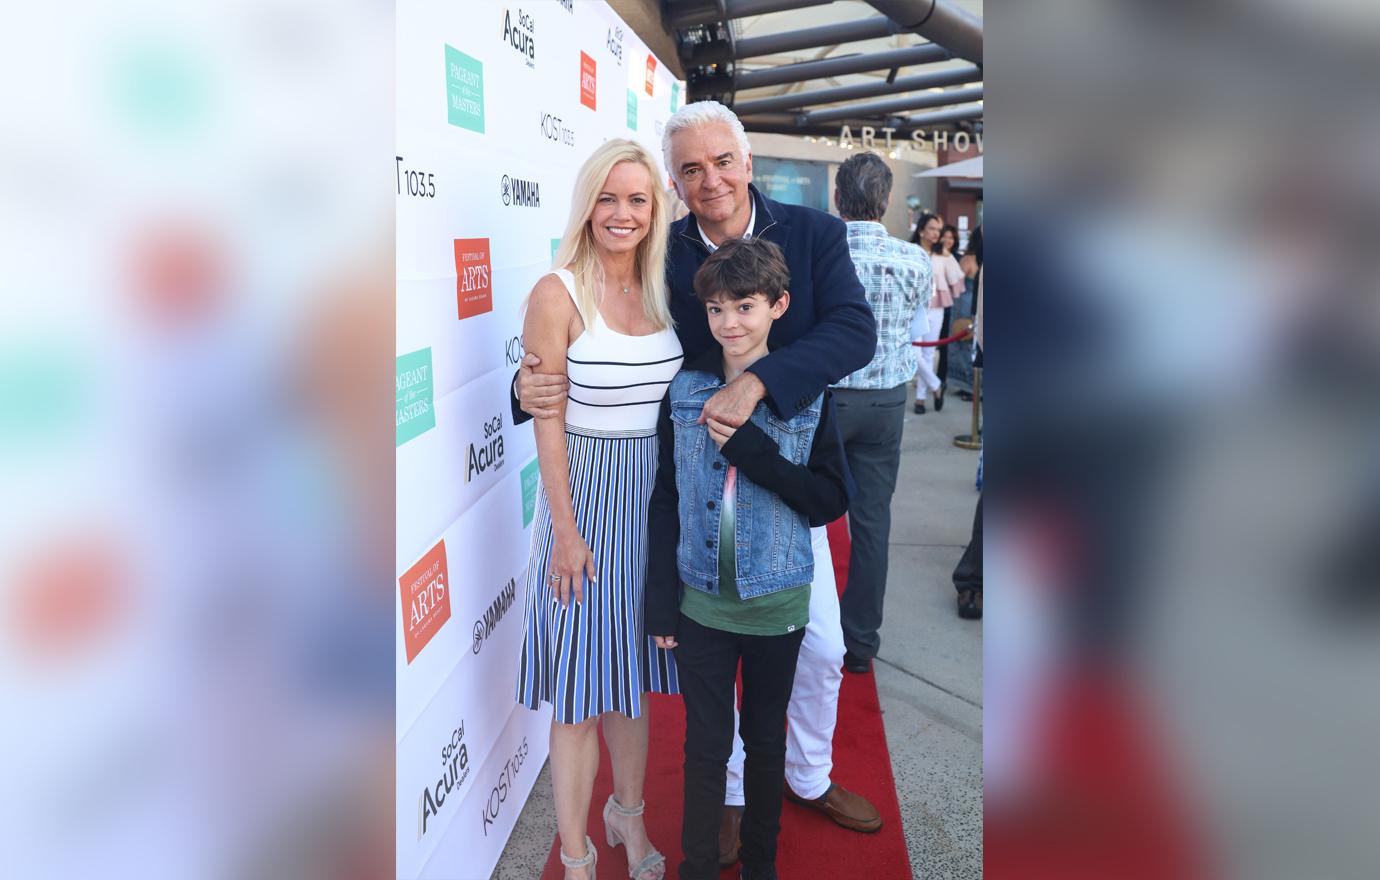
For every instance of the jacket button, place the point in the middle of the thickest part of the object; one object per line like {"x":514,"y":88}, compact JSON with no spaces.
{"x":708,"y":543}
{"x":710,"y":505}
{"x":718,"y":466}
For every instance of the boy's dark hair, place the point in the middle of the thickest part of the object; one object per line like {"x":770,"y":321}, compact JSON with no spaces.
{"x":742,"y":267}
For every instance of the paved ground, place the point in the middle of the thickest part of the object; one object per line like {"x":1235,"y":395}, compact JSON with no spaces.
{"x":929,"y":673}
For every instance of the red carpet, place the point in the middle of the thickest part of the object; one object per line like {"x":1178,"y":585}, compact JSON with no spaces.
{"x":810,"y":846}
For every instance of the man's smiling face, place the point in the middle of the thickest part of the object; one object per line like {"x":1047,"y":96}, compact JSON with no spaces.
{"x":711,"y":172}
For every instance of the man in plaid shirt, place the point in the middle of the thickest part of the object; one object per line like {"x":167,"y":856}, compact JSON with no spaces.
{"x":871,"y":403}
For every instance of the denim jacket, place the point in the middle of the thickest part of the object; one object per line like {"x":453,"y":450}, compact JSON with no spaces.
{"x":791,"y":475}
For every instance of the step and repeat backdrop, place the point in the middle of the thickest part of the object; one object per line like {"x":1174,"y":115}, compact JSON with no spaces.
{"x":497,"y":106}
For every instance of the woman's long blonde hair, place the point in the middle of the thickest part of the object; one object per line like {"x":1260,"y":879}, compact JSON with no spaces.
{"x":577,"y":245}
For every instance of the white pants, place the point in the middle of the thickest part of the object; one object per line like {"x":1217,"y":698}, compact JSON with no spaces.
{"x":925,"y":327}
{"x":814,"y":703}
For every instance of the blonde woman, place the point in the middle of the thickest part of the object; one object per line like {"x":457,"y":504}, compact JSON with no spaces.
{"x":602,"y":319}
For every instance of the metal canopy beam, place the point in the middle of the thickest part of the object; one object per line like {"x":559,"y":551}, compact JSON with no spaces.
{"x":792,"y":41}
{"x":893,"y":105}
{"x":956,"y":77}
{"x":956,"y":114}
{"x":689,"y":13}
{"x":860,"y":63}
{"x":939,"y":21}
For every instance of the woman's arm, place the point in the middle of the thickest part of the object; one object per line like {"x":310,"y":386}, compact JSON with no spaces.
{"x":551,"y":322}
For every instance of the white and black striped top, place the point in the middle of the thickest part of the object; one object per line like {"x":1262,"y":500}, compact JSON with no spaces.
{"x":617,"y":381}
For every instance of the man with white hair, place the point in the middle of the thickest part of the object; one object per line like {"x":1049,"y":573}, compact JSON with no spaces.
{"x":827,"y":333}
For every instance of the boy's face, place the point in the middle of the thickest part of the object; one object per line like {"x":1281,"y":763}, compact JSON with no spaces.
{"x":742,"y":325}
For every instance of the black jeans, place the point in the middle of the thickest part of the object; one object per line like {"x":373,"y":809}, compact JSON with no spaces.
{"x":871,"y":424}
{"x":968,"y":573}
{"x":707,"y":663}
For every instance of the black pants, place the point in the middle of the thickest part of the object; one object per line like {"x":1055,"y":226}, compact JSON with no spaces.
{"x":968,"y":573}
{"x":707,"y":663}
{"x":943,"y":371}
{"x":871,"y":423}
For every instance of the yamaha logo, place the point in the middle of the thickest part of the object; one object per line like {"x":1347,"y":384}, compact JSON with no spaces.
{"x":520,"y":193}
{"x":484,"y":626}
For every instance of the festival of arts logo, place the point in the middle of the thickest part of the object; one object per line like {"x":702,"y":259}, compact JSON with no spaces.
{"x":474,"y":291}
{"x":651,"y":73}
{"x":425,"y":589}
{"x":588,"y":80}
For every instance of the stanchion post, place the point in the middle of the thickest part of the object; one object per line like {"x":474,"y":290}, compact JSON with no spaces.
{"x":973,"y":440}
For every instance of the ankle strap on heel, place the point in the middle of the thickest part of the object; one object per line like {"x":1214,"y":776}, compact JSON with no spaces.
{"x":581,"y":862}
{"x":615,"y":807}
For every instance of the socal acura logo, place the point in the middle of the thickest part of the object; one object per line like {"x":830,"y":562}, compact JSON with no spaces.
{"x":455,"y":769}
{"x":484,"y":626}
{"x":520,"y":193}
{"x":487,"y":454}
{"x":520,"y":34}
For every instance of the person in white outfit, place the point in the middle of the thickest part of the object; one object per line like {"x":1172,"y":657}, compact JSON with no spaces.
{"x":928,"y":320}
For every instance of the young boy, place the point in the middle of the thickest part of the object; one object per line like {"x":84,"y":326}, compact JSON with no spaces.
{"x":730,"y":563}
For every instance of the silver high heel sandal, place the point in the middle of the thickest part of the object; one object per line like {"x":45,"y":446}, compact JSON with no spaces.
{"x":591,"y":857}
{"x":655,"y":862}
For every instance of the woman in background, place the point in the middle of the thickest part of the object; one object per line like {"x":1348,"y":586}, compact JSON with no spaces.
{"x":948,"y":287}
{"x":925,"y":327}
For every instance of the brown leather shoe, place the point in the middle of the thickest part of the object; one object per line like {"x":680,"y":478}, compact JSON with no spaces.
{"x":730,"y":821}
{"x":852,"y":811}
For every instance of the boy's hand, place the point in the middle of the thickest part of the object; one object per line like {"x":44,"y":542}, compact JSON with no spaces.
{"x":539,"y":394}
{"x":665,"y":643}
{"x":719,"y":432}
{"x":733,"y":404}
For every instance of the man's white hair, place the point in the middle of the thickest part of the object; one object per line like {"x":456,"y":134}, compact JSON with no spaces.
{"x":698,"y":114}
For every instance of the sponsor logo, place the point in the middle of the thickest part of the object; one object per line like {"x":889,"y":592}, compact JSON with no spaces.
{"x":520,"y":193}
{"x":675,"y":95}
{"x":520,"y":33}
{"x":531,"y":478}
{"x":632,"y":109}
{"x":513,"y":350}
{"x":425,"y":589}
{"x":588,"y":80}
{"x":493,"y":805}
{"x":464,"y":90}
{"x":651,"y":74}
{"x":555,"y":246}
{"x":615,"y":43}
{"x":414,"y":411}
{"x":417,"y":183}
{"x":568,"y":4}
{"x":455,"y":769}
{"x":554,"y":129}
{"x":473,"y":278}
{"x":487,"y":454}
{"x":484,"y":626}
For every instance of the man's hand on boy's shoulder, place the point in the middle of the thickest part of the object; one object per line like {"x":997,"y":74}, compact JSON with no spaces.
{"x":733,"y":404}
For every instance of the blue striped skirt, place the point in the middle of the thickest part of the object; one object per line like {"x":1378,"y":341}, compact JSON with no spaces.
{"x":592,"y":656}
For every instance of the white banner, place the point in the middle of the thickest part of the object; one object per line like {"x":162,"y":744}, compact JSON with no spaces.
{"x":497,"y":106}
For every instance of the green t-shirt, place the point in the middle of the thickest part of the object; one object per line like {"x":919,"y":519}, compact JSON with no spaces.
{"x":774,"y":614}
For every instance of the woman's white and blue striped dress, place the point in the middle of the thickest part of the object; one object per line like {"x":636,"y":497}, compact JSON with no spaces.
{"x":593,"y":656}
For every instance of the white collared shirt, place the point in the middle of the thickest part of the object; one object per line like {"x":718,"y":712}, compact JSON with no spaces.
{"x":751,"y":227}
